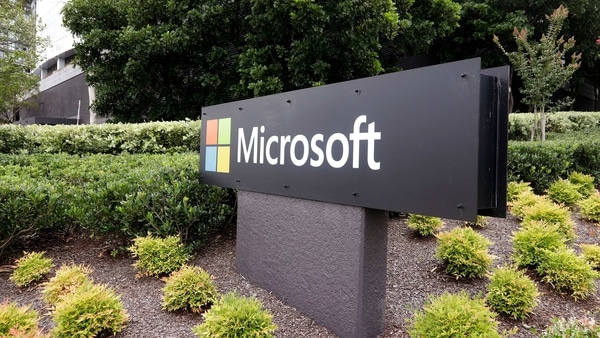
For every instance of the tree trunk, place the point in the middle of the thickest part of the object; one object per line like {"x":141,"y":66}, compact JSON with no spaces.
{"x":543,"y":122}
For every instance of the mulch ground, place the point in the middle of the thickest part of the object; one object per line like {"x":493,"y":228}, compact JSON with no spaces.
{"x":413,"y":274}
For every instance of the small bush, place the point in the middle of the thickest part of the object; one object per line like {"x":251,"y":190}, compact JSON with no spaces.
{"x":514,"y":189}
{"x":583,"y":182}
{"x":524,"y":200}
{"x":424,"y":225}
{"x":236,"y":316}
{"x":66,"y":280}
{"x":32,"y":267}
{"x":465,"y":252}
{"x":481,"y":222}
{"x":17,"y":319}
{"x":511,"y":292}
{"x":577,"y":328}
{"x":591,"y":254}
{"x":551,"y":213}
{"x":158,"y":256}
{"x":530,"y":241}
{"x":89,"y":312}
{"x":189,"y":288}
{"x":590,"y":208}
{"x":564,"y":192}
{"x":454,"y":315}
{"x":568,"y":273}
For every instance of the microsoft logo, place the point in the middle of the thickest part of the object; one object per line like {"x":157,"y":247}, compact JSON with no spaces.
{"x":218,"y":145}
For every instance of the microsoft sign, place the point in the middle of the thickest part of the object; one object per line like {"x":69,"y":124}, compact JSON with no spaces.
{"x":429,"y":141}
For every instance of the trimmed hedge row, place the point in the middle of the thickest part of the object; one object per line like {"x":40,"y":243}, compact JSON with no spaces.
{"x":519,"y":124}
{"x":124,"y":195}
{"x":541,"y":163}
{"x":152,"y":137}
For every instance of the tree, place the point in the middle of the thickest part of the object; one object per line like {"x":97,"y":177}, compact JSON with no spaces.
{"x":303,"y":43}
{"x":481,"y":19}
{"x":20,"y":50}
{"x":430,"y":21}
{"x":156,"y":59}
{"x":542,"y":66}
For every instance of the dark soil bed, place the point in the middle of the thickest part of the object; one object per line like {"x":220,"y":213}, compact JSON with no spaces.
{"x":413,"y":273}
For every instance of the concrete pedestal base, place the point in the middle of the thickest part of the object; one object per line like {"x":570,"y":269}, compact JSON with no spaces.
{"x":326,"y":260}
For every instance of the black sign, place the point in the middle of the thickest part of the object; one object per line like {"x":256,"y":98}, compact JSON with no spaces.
{"x":428,"y":141}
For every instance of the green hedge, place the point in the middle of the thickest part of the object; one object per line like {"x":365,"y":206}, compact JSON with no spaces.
{"x":519,"y":124}
{"x":153,"y":137}
{"x":125,"y":195}
{"x":541,"y":163}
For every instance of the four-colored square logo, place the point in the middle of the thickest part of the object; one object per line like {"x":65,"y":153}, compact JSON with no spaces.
{"x":218,"y":145}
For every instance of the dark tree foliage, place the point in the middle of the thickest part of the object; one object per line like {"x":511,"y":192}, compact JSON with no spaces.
{"x":156,"y":59}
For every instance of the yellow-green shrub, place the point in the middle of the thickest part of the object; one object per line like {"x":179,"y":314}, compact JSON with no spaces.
{"x":531,"y":239}
{"x":454,"y":315}
{"x":524,"y":200}
{"x":564,"y":192}
{"x":568,"y":273}
{"x":551,"y":213}
{"x":189,"y":288}
{"x":89,"y":311}
{"x":17,"y":319}
{"x":591,"y":254}
{"x":424,"y":225}
{"x":32,"y":267}
{"x":465,"y":252}
{"x":583,"y":182}
{"x":590,"y":208}
{"x":66,"y":280}
{"x":511,"y":292}
{"x":481,"y":222}
{"x":158,"y":256}
{"x":236,"y":316}
{"x":514,"y":189}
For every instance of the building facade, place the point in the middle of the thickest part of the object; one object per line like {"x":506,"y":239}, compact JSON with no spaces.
{"x":64,"y":96}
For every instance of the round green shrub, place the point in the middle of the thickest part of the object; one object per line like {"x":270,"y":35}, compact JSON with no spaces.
{"x":424,"y":225}
{"x":590,"y":208}
{"x":66,"y":280}
{"x":514,"y":189}
{"x":524,"y":200}
{"x":583,"y":182}
{"x":465,"y":252}
{"x":568,"y":273}
{"x":158,"y":256}
{"x":454,"y":315}
{"x":481,"y":222}
{"x":88,"y":312}
{"x":591,"y":254}
{"x":551,"y":213}
{"x":564,"y":192}
{"x":32,"y":267}
{"x":511,"y":292}
{"x":189,"y":288}
{"x":531,"y":239}
{"x":15,"y":318}
{"x":236,"y":316}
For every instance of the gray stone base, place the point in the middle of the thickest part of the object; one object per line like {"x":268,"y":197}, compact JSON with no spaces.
{"x":326,"y":260}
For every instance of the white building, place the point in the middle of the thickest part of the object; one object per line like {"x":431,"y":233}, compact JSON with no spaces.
{"x":64,"y":96}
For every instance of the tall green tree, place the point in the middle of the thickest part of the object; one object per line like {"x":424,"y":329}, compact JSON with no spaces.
{"x":481,"y":19}
{"x":301,"y":43}
{"x":430,"y":21}
{"x":542,"y":66}
{"x":20,"y":50}
{"x":156,"y":59}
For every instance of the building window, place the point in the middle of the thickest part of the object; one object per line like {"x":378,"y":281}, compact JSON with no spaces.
{"x":69,"y":59}
{"x":51,"y":69}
